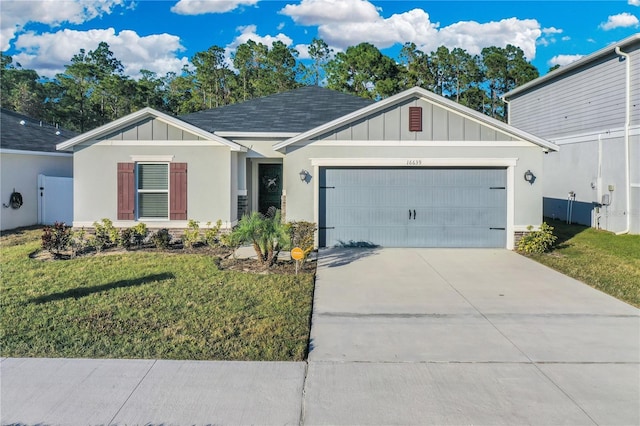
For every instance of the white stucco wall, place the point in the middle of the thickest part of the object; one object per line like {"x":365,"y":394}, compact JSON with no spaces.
{"x":20,"y":171}
{"x":209,"y":182}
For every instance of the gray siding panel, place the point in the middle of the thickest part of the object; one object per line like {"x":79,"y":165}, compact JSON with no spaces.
{"x":151,"y":130}
{"x":438,"y":124}
{"x":160,"y":130}
{"x":456,"y":127}
{"x":591,"y":98}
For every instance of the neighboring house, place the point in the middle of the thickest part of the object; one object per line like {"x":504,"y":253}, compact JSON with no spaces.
{"x":591,"y":109}
{"x":28,"y":160}
{"x":412,"y":170}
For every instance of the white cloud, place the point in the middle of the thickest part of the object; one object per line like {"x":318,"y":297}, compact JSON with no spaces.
{"x":201,"y":7}
{"x":47,"y":53}
{"x":634,"y":2}
{"x":566,"y":38}
{"x":622,"y":20}
{"x":551,"y":30}
{"x":344,"y":23}
{"x":563,"y":60}
{"x":303,"y":51}
{"x":16,"y":14}
{"x":317,"y":12}
{"x":249,"y":33}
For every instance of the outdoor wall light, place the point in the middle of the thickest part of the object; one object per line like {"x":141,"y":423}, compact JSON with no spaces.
{"x":529,"y":177}
{"x":303,"y":175}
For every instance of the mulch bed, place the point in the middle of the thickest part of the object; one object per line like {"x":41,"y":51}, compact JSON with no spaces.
{"x":224,"y":258}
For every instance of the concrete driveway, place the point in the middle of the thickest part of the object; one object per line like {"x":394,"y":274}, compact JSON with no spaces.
{"x":444,"y":336}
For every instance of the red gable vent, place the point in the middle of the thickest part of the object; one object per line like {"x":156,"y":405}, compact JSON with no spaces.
{"x":415,"y":119}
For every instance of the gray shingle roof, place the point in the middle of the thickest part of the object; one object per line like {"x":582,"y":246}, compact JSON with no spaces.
{"x":30,"y":136}
{"x":294,"y":111}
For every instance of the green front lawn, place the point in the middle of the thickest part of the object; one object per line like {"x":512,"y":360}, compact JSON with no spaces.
{"x":605,"y":261}
{"x":147,"y":305}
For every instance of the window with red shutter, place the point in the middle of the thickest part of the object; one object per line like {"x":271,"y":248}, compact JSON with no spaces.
{"x":415,"y":119}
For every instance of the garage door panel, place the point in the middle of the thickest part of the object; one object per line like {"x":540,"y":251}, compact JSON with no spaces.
{"x":454,"y":237}
{"x":364,"y":235}
{"x":453,"y":207}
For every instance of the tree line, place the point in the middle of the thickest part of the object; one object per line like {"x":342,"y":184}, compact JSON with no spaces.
{"x":94,"y":90}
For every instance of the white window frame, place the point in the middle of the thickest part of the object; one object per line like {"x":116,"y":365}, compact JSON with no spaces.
{"x":153,"y":191}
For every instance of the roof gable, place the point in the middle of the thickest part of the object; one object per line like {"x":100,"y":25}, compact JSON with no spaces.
{"x":23,"y":133}
{"x":440,"y":112}
{"x":140,"y":125}
{"x":289,"y":112}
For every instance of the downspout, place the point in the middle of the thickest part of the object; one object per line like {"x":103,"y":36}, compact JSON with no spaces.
{"x":627,"y":124}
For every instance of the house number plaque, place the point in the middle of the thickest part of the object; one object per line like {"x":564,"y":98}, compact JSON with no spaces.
{"x":414,"y":162}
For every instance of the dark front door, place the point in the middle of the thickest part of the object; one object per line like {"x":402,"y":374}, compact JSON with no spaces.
{"x":270,"y":186}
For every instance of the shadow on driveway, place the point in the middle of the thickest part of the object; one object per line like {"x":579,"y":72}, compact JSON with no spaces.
{"x":340,"y":256}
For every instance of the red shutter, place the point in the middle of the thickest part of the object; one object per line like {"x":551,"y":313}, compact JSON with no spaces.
{"x":178,"y":191}
{"x":415,"y":119}
{"x":126,"y":191}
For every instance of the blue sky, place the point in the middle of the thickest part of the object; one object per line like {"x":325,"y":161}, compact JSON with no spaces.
{"x":162,"y":35}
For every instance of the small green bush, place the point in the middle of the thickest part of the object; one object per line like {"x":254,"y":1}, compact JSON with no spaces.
{"x":56,"y":238}
{"x":536,"y":242}
{"x":212,"y":234}
{"x":191,"y":235}
{"x":126,"y":238}
{"x":140,"y":232}
{"x":161,"y":239}
{"x":79,"y":242}
{"x":301,"y":235}
{"x":106,"y":235}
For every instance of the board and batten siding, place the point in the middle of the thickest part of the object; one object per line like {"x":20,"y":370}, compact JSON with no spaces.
{"x":151,"y":129}
{"x":588,"y":99}
{"x":438,"y":124}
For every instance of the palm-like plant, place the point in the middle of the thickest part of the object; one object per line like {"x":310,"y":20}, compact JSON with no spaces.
{"x":266,"y":235}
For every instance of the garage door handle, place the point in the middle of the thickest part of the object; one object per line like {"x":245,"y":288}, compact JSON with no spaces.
{"x":497,"y":229}
{"x":414,"y":215}
{"x":409,"y":214}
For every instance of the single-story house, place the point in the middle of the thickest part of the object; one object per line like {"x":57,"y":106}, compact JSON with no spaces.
{"x":590,"y":108}
{"x":411,"y":170}
{"x":35,"y":178}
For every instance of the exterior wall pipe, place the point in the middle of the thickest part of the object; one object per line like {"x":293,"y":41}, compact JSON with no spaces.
{"x":627,"y":124}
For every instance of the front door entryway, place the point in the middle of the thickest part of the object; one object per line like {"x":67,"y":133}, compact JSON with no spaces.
{"x":269,"y":186}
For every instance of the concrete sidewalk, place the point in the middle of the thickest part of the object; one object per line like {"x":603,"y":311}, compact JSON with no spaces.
{"x":39,"y":391}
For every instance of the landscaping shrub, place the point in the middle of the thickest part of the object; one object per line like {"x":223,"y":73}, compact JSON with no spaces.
{"x":301,"y":235}
{"x":140,"y":232}
{"x":267,"y":235}
{"x":161,"y":239}
{"x":56,"y":238}
{"x":79,"y":242}
{"x":106,"y":235}
{"x":536,"y":242}
{"x":191,"y":235}
{"x":212,"y":234}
